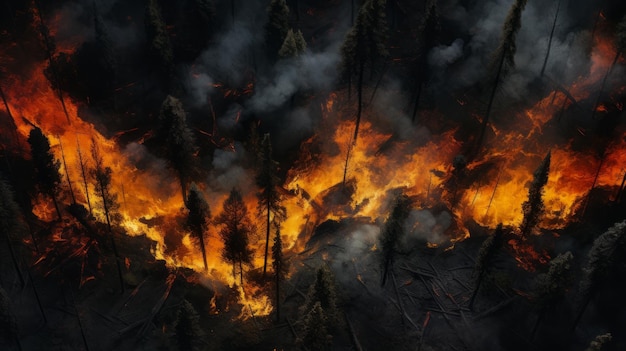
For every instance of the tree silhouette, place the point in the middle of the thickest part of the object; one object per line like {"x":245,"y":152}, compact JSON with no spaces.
{"x":324,"y":292}
{"x":279,"y":266}
{"x":552,"y":285}
{"x":315,"y":334}
{"x":269,"y":199}
{"x":604,"y":254}
{"x":236,"y":227}
{"x":46,"y":166}
{"x":277,"y":26}
{"x":484,"y":260}
{"x":102,"y":177}
{"x":159,"y":44}
{"x":533,"y":207}
{"x":9,"y":221}
{"x":393,"y":229}
{"x":427,"y":39}
{"x":198,"y":218}
{"x":179,"y":140}
{"x":504,"y":58}
{"x":8,"y":322}
{"x":364,"y":47}
{"x":188,"y":330}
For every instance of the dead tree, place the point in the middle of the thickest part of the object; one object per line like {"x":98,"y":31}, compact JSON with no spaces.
{"x":556,"y":17}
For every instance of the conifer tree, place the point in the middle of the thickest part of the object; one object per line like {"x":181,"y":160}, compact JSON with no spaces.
{"x":159,"y":44}
{"x":280,"y":268}
{"x":269,"y":199}
{"x":533,"y":208}
{"x":392,"y":231}
{"x":235,"y":230}
{"x":179,"y":140}
{"x":102,"y":177}
{"x":503,"y":59}
{"x":277,"y":26}
{"x":484,"y":260}
{"x":315,"y":334}
{"x":364,"y":47}
{"x":198,"y":219}
{"x":46,"y":166}
{"x":604,"y":254}
{"x":188,"y":331}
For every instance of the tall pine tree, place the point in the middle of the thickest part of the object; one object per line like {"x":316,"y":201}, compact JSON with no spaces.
{"x":46,"y":166}
{"x":236,"y":227}
{"x":533,"y":208}
{"x":269,"y":199}
{"x":198,"y":219}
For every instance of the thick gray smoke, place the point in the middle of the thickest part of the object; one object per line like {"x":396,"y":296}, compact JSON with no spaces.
{"x":568,"y":57}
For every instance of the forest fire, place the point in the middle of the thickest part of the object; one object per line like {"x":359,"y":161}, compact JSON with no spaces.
{"x":224,"y":182}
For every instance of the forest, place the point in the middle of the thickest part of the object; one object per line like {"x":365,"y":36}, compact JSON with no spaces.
{"x":312,"y":175}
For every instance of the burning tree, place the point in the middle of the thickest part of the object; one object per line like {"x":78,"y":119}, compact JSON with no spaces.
{"x":427,"y":39}
{"x":533,"y":207}
{"x":279,"y":266}
{"x":277,"y":26}
{"x":604,"y":254}
{"x":236,"y":228}
{"x":504,"y":58}
{"x":46,"y":166}
{"x":269,"y":199}
{"x":484,"y":261}
{"x":198,"y":218}
{"x":394,"y":227}
{"x":364,"y":46}
{"x":101,"y":176}
{"x":179,"y":140}
{"x":552,"y":286}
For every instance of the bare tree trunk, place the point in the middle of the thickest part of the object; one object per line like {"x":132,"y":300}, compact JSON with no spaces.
{"x":359,"y":108}
{"x":267,"y":236}
{"x":84,"y":174}
{"x":203,"y":249}
{"x":12,"y":122}
{"x":417,"y":101}
{"x":67,"y":173}
{"x":56,"y":206}
{"x":556,"y":16}
{"x":496,"y":83}
{"x":241,"y":273}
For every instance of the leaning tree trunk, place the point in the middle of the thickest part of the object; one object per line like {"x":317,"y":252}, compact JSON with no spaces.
{"x":483,"y":128}
{"x":556,"y":16}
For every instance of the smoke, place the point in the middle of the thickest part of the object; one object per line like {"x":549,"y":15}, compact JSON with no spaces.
{"x":229,"y":172}
{"x":423,"y":225}
{"x":443,"y":55}
{"x":310,"y":71}
{"x":480,"y":28}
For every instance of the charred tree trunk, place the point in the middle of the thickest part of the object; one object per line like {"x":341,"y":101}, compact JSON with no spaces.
{"x":67,"y":173}
{"x":241,"y":273}
{"x":50,"y":54}
{"x":556,"y":16}
{"x":418,"y":94}
{"x":56,"y":206}
{"x":203,"y":250}
{"x":267,"y":235}
{"x":496,"y":83}
{"x":13,"y":125}
{"x":84,"y":175}
{"x":359,"y":108}
{"x":277,"y":276}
